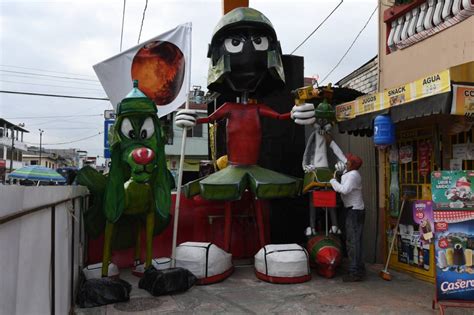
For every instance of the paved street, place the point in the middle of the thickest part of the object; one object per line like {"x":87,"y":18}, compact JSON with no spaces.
{"x":243,"y":293}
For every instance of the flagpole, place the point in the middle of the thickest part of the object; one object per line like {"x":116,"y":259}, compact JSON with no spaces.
{"x":178,"y":192}
{"x":180,"y":170}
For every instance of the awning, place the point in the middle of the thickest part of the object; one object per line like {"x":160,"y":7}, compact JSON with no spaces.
{"x":430,"y":95}
{"x":363,"y":125}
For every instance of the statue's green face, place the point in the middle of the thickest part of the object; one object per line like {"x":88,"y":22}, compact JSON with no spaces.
{"x":325,"y":114}
{"x":138,"y":142}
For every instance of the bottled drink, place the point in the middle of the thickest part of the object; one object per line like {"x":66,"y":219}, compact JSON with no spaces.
{"x":394,"y":199}
{"x":426,"y":256}
{"x":415,"y":255}
{"x":420,"y":257}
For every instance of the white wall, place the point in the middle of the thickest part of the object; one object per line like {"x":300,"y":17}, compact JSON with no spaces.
{"x":25,"y":247}
{"x":195,"y":146}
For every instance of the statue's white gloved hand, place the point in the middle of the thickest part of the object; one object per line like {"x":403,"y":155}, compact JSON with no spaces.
{"x":186,"y":118}
{"x":303,"y":114}
{"x":327,"y":128}
{"x":340,"y":166}
{"x":308,"y":168}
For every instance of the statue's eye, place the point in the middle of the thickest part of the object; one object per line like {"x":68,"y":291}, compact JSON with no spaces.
{"x":233,"y":45}
{"x":127,"y":129}
{"x":148,"y":129}
{"x":260,"y":42}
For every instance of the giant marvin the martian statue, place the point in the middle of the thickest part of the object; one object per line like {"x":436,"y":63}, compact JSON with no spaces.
{"x":245,"y":63}
{"x":136,"y":195}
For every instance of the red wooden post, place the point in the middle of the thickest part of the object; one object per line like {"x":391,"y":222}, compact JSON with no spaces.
{"x":227,"y":225}
{"x":260,"y":223}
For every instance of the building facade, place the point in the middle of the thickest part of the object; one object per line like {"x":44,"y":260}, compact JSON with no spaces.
{"x":12,"y":147}
{"x":425,"y":58}
{"x":196,"y":147}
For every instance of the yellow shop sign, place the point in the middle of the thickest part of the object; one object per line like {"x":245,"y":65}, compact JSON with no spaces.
{"x":432,"y":84}
{"x":369,"y":103}
{"x":397,"y":96}
{"x":346,"y":111}
{"x":463,"y":100}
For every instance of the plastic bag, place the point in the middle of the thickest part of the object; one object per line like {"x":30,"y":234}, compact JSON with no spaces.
{"x":97,"y":292}
{"x":160,"y":282}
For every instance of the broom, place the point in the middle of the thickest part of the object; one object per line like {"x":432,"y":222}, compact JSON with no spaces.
{"x":385,"y":274}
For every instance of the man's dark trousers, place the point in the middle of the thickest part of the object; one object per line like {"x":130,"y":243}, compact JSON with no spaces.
{"x":354,"y":227}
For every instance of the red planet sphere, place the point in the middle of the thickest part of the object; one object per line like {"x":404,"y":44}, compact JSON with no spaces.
{"x":159,"y":68}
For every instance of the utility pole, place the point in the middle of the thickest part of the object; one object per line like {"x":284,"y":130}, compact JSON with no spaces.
{"x":41,"y":137}
{"x":13,"y":149}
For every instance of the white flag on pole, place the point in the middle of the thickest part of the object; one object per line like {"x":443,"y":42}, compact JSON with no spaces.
{"x":162,"y":66}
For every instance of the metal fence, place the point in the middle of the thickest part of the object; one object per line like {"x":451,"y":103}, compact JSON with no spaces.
{"x":73,"y":207}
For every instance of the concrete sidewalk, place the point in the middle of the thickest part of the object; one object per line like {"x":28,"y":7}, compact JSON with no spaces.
{"x":243,"y":293}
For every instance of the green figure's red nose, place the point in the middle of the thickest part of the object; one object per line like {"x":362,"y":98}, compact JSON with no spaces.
{"x":143,"y":156}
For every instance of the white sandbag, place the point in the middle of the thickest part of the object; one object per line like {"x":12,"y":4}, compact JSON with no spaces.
{"x":282,"y":260}
{"x":204,"y":260}
{"x":95,"y":271}
{"x":161,"y":263}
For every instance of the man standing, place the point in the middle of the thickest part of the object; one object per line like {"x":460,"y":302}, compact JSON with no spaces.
{"x":350,"y":189}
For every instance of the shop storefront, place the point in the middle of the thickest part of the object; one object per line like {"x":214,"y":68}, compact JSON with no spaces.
{"x":433,"y":119}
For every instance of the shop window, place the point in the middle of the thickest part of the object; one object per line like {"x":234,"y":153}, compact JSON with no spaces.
{"x":462,"y":149}
{"x":195,"y":132}
{"x":418,"y":155}
{"x":415,"y":148}
{"x":33,"y":162}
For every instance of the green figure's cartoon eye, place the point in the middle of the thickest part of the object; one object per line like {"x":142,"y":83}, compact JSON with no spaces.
{"x":127,"y":129}
{"x":148,"y":129}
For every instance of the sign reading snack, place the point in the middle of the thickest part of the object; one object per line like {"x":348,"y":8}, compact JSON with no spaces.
{"x":397,"y":96}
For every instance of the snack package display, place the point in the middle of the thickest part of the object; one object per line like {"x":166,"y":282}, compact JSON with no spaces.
{"x":423,"y":216}
{"x":453,"y":190}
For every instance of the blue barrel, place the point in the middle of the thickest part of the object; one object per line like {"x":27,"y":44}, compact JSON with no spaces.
{"x":384,"y":130}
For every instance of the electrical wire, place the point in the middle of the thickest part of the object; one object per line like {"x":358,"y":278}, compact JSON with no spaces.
{"x":352,"y":44}
{"x":56,"y":95}
{"x":55,"y":121}
{"x":81,"y":128}
{"x":51,"y":85}
{"x":44,"y":70}
{"x":314,"y":31}
{"x":48,"y":75}
{"x":61,"y":143}
{"x":56,"y":80}
{"x":123,"y":23}
{"x":62,"y":116}
{"x":143,"y":19}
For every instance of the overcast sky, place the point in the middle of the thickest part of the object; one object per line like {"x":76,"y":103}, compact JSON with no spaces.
{"x":50,"y":47}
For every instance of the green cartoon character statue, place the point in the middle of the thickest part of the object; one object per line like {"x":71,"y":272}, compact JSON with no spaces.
{"x":137,"y":191}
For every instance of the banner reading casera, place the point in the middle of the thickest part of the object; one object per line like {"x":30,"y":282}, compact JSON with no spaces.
{"x":162,"y":66}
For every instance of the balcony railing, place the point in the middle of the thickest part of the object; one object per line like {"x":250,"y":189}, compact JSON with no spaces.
{"x":8,"y":142}
{"x":411,"y":23}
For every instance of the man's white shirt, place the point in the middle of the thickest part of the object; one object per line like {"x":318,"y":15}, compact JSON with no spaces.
{"x":350,"y":189}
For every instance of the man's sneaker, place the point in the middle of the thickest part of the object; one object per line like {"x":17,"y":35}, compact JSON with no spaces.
{"x":351,"y":278}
